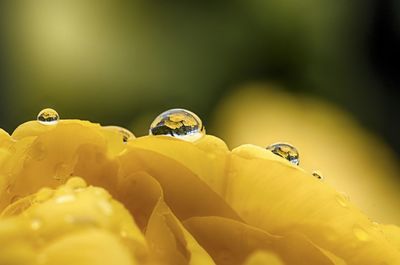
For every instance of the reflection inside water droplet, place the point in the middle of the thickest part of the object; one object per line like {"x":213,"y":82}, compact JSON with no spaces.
{"x":48,"y":116}
{"x":317,"y":174}
{"x":285,"y":150}
{"x":178,"y":123}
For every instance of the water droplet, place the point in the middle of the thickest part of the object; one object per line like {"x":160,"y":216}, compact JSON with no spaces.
{"x":43,"y":195}
{"x":125,"y":133}
{"x":48,"y":116}
{"x":178,"y":123}
{"x":105,"y":207}
{"x":9,"y":188}
{"x":62,"y":171}
{"x":360,"y":233}
{"x":15,"y":198}
{"x":80,"y":220}
{"x":123,"y":233}
{"x":285,"y":150}
{"x":342,"y":199}
{"x":317,"y":174}
{"x":76,"y":183}
{"x":65,"y":198}
{"x":36,"y":224}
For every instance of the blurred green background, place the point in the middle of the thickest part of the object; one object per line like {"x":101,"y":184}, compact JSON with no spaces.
{"x":123,"y":62}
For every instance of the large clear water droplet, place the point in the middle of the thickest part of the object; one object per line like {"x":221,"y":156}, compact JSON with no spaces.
{"x":178,"y":123}
{"x":48,"y":116}
{"x":285,"y":150}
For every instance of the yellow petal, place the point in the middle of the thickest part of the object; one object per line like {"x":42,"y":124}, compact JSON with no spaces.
{"x":392,"y":234}
{"x":186,"y":193}
{"x":60,"y":223}
{"x":329,"y":140}
{"x":86,"y":248}
{"x":263,"y":258}
{"x":169,"y":241}
{"x":47,"y":157}
{"x":281,"y":198}
{"x":230,"y":242}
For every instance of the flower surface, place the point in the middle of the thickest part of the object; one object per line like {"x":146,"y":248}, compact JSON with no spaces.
{"x":329,"y":140}
{"x":77,"y":193}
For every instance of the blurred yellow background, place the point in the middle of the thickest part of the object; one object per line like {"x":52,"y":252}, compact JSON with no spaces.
{"x":326,"y":75}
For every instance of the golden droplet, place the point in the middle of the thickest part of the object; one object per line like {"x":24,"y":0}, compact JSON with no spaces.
{"x":48,"y":116}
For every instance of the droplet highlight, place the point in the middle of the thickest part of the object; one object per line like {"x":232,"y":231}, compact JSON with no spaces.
{"x":285,"y":150}
{"x":317,"y":174}
{"x":65,"y":198}
{"x":179,"y":123}
{"x":36,"y":224}
{"x":48,"y":116}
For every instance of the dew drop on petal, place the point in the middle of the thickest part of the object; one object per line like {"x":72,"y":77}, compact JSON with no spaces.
{"x":76,"y":183}
{"x":360,"y":233}
{"x":62,"y":171}
{"x":317,"y":174}
{"x":36,"y":224}
{"x":285,"y":150}
{"x":9,"y":188}
{"x":105,"y":207}
{"x":48,"y":116}
{"x":125,"y":133}
{"x":179,"y":123}
{"x":342,"y":199}
{"x":43,"y":195}
{"x":15,"y":198}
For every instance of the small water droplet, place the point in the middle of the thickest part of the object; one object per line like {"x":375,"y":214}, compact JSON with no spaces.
{"x":9,"y":188}
{"x":48,"y":116}
{"x":76,"y":183}
{"x":317,"y":174}
{"x":360,"y":233}
{"x":285,"y":150}
{"x":342,"y":199}
{"x":62,"y":171}
{"x":123,"y":233}
{"x":43,"y":195}
{"x":15,"y":198}
{"x":178,"y":123}
{"x":65,"y":198}
{"x":125,"y":133}
{"x":105,"y":207}
{"x":36,"y":224}
{"x":82,"y":220}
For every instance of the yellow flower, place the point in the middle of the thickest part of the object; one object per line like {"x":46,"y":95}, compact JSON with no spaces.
{"x":165,"y":201}
{"x":350,"y":158}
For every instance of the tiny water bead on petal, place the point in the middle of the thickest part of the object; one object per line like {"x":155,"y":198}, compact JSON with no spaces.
{"x":285,"y":150}
{"x":317,"y":174}
{"x":178,"y":123}
{"x":48,"y":116}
